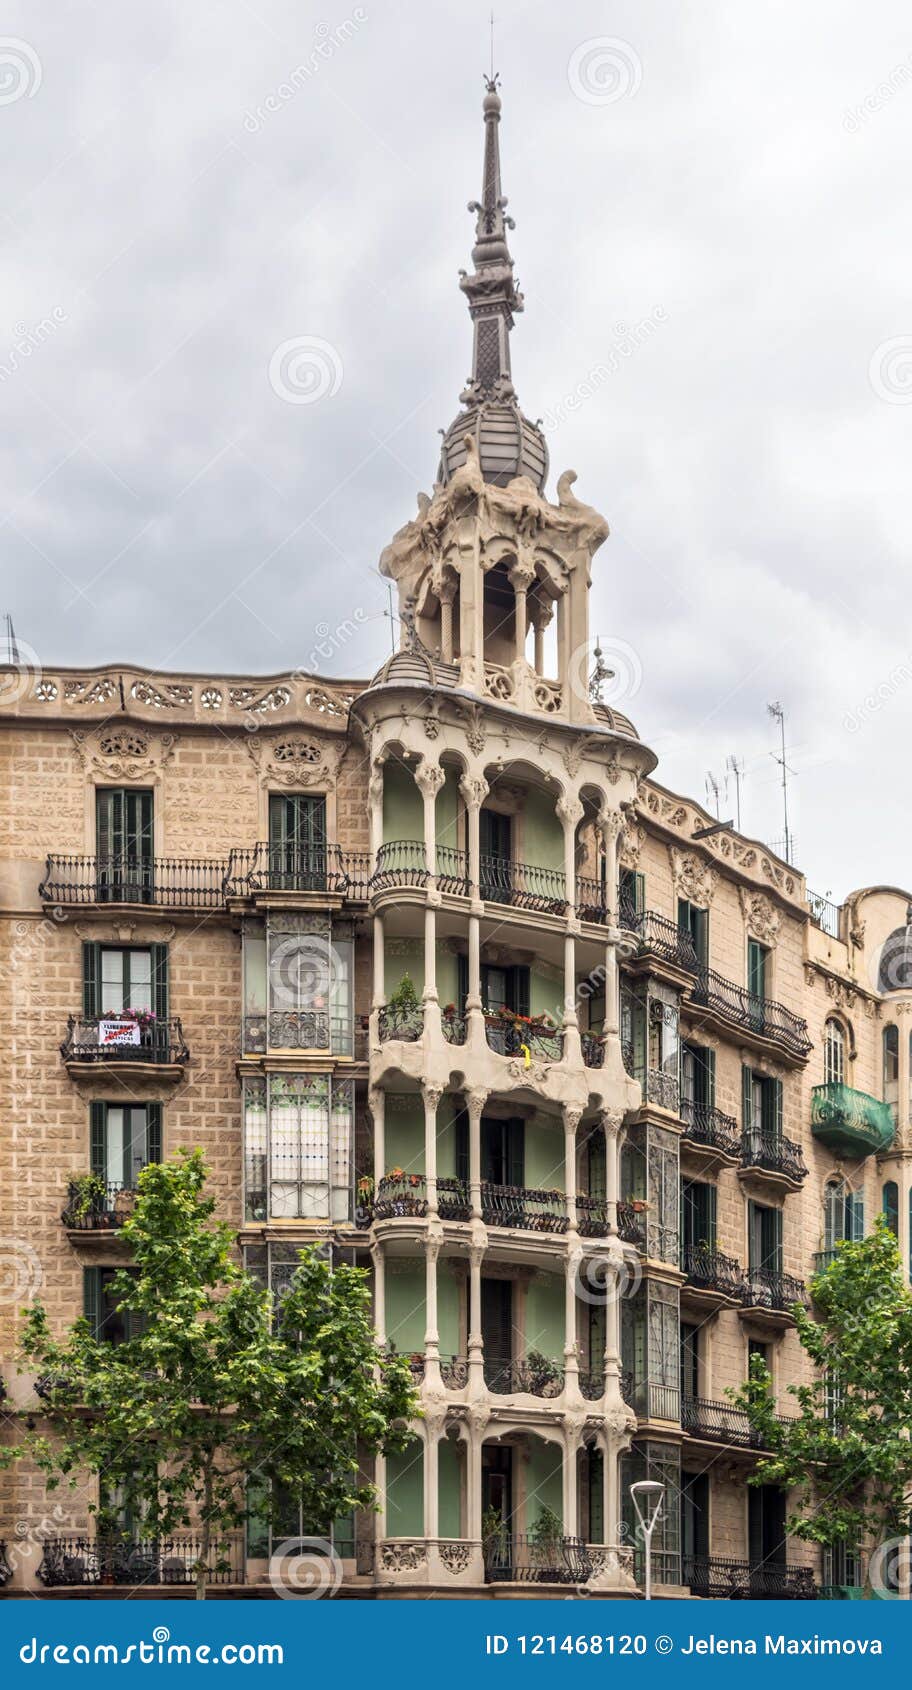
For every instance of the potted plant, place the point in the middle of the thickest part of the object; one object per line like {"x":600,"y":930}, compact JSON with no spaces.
{"x":88,"y":1193}
{"x":545,"y":1535}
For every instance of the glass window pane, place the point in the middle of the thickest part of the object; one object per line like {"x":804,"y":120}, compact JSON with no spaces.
{"x":113,"y":997}
{"x":114,"y":1145}
{"x":139,"y":970}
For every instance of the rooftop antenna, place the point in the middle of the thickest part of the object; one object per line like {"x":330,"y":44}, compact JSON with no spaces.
{"x":492,"y":45}
{"x":736,"y":769}
{"x":712,"y":786}
{"x":778,"y":715}
{"x":392,"y":619}
{"x":12,"y":648}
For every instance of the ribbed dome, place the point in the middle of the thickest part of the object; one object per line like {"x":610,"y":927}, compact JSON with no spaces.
{"x":407,"y":665}
{"x":508,"y":444}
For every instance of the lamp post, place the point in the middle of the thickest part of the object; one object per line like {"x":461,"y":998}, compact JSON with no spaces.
{"x":648,"y":1496}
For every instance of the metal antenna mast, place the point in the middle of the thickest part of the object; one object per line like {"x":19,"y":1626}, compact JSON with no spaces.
{"x":712,"y":786}
{"x":737,"y":769}
{"x":778,"y":715}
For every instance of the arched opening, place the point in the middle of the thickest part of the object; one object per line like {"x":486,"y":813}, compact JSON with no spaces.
{"x":499,"y":616}
{"x":834,"y":1053}
{"x":891,"y":1066}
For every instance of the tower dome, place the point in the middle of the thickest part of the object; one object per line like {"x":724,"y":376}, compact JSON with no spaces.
{"x":508,"y":443}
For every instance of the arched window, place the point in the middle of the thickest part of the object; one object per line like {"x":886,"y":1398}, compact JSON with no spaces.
{"x":891,"y":1065}
{"x":834,"y":1053}
{"x":843,"y":1214}
{"x":890,"y":1196}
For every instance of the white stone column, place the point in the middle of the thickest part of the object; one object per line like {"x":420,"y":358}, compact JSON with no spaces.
{"x":612,"y":1491}
{"x":379,"y":998}
{"x":570,"y":1487}
{"x":377,"y":1100}
{"x":429,"y":778}
{"x":475,"y":1102}
{"x":432,"y":1095}
{"x":475,"y":1346}
{"x":520,"y":578}
{"x":431,"y":1332}
{"x":431,"y":1482}
{"x":570,"y":813}
{"x":572,"y":1117}
{"x":474,"y":791}
{"x":612,"y":1121}
{"x":379,"y":1261}
{"x":474,"y":1441}
{"x":447,"y":595}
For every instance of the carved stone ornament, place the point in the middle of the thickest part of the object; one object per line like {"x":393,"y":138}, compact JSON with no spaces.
{"x":429,"y":778}
{"x":122,"y":752}
{"x":455,"y":1556}
{"x":694,"y":878}
{"x":296,"y":761}
{"x":760,"y":915}
{"x":402,"y":1557}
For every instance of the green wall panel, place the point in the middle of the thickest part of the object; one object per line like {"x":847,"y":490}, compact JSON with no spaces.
{"x":448,"y":1491}
{"x":405,"y":1492}
{"x":405,"y":1305}
{"x":403,"y":808}
{"x":545,"y":1316}
{"x":404,"y":1133}
{"x":543,"y":1482}
{"x":542,"y":832}
{"x":545,"y":1154}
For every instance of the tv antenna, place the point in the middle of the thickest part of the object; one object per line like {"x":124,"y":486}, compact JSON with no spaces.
{"x":712,"y":786}
{"x":12,"y":647}
{"x":736,"y":770}
{"x":778,"y":715}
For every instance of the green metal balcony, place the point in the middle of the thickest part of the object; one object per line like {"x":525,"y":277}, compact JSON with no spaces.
{"x":849,"y":1122}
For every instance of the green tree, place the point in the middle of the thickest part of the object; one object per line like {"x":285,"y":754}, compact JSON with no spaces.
{"x":218,"y":1385}
{"x":847,"y":1455}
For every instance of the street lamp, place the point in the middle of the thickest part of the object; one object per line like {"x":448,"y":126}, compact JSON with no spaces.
{"x":648,"y":1496}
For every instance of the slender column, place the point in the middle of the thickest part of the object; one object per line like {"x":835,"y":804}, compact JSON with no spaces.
{"x":612,"y":1530}
{"x":570,"y":812}
{"x":473,"y":1484}
{"x":379,"y":1260}
{"x":431,"y":1483}
{"x":375,"y":808}
{"x":520,"y":578}
{"x":572,"y":1118}
{"x":610,"y":823}
{"x":447,"y":595}
{"x":613,"y":1285}
{"x":432,"y":1095}
{"x":429,"y":778}
{"x":476,"y":1347}
{"x":541,"y":611}
{"x":611,"y":1122}
{"x":570,"y":1487}
{"x":476,"y":1101}
{"x":377,"y":1102}
{"x":379,"y":965}
{"x":474,"y":791}
{"x":571,"y":1354}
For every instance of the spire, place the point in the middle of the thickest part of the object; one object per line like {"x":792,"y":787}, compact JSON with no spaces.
{"x":491,"y":290}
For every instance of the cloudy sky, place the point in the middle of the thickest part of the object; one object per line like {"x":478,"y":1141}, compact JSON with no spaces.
{"x":177,"y":207}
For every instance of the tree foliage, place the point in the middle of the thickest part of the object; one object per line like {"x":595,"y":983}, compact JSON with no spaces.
{"x":847,"y":1455}
{"x":218,"y":1385}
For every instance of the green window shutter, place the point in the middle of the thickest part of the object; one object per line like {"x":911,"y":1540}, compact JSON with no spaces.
{"x":709,"y":1069}
{"x":747,"y":1100}
{"x":756,"y":969}
{"x":91,"y":977}
{"x":711,"y":1195}
{"x":160,"y":981}
{"x":855,"y":1217}
{"x":91,"y":1299}
{"x":154,"y":1132}
{"x":639,"y":893}
{"x":775,"y":1090}
{"x":891,"y":1206}
{"x":97,"y":1137}
{"x":521,"y":990}
{"x":776,"y":1240}
{"x":516,"y":1152}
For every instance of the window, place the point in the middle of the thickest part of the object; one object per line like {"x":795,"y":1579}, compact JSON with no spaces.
{"x":757,"y":968}
{"x":764,"y":1238}
{"x":503,"y":1151}
{"x":698,"y":1081}
{"x":108,"y":1323}
{"x":268,"y":1529}
{"x":834,"y":1053}
{"x":698,"y":1215}
{"x":761,"y":1111}
{"x":756,"y":1347}
{"x":115,"y":978}
{"x":631,"y":896}
{"x":123,"y":844}
{"x":505,"y":988}
{"x":694,"y":1517}
{"x":124,"y":1137}
{"x":891,"y":1066}
{"x":765,"y":1526}
{"x":890,"y":1205}
{"x":842,"y":1567}
{"x":843,"y":1214}
{"x":496,"y":847}
{"x":297,"y":842}
{"x":298,"y":984}
{"x":651,"y":1349}
{"x":690,"y":1361}
{"x":647,"y":1460}
{"x":298,"y":1147}
{"x":695,"y":923}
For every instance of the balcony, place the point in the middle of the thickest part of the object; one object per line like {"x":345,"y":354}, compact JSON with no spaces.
{"x":766,"y":1153}
{"x":518,"y":1035}
{"x":706,"y":1128}
{"x":522,"y":885}
{"x":455,"y":1025}
{"x":402,"y":1196}
{"x":850,"y":1123}
{"x":97,"y":1205}
{"x":593,"y":1050}
{"x":113,"y":1042}
{"x":174,"y":883}
{"x":761,"y":1017}
{"x":534,"y":1376}
{"x":454,"y":1371}
{"x":400,"y":863}
{"x":716,"y":1578}
{"x":523,"y":1558}
{"x":664,"y":941}
{"x":711,"y":1274}
{"x":770,"y":1296}
{"x":631,"y":1223}
{"x":652,"y":1400}
{"x":527,"y":1209}
{"x":405,"y":1023}
{"x":592,"y":1383}
{"x":452,"y":871}
{"x":142,"y":1561}
{"x":292,"y":868}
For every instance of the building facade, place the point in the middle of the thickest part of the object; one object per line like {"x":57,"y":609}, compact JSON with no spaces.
{"x":439,"y":976}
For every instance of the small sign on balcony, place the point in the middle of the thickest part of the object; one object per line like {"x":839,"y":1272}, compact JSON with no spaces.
{"x":111,"y":1033}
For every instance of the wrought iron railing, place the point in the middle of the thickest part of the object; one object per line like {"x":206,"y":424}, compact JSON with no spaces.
{"x":454,"y":1371}
{"x":510,"y":1035}
{"x":706,"y":1125}
{"x":824,"y":1259}
{"x":764,"y":1148}
{"x":824,"y":914}
{"x":523,"y":885}
{"x":97,"y":1205}
{"x":660,"y":937}
{"x":536,"y":1376}
{"x":709,"y":1270}
{"x":405,"y":1022}
{"x":592,"y":1383}
{"x":631,"y":1225}
{"x":123,"y":1038}
{"x":593,"y":1050}
{"x":455,"y":1026}
{"x":716,"y":1577}
{"x":402,"y":862}
{"x":298,"y":868}
{"x":530,"y":1209}
{"x":741,"y":1008}
{"x":767,"y":1288}
{"x":526,"y":1558}
{"x":721,"y":1422}
{"x":298,"y":1029}
{"x":189,"y":883}
{"x":591,"y":1216}
{"x":122,"y":1561}
{"x":404,"y":1195}
{"x":452,"y":871}
{"x":653,"y":1400}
